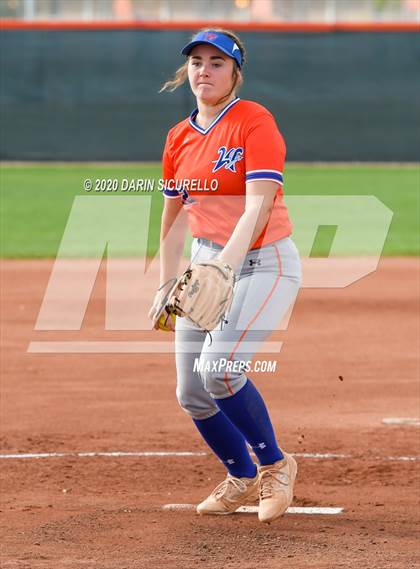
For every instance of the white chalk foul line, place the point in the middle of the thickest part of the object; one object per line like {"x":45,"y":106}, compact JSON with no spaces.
{"x":413,"y":422}
{"x":122,"y":454}
{"x":306,"y":510}
{"x":320,"y":455}
{"x":116,"y":454}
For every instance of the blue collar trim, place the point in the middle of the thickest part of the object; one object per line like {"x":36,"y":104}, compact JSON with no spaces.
{"x":216,"y":120}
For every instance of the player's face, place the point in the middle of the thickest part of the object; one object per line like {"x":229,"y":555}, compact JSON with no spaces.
{"x":210,"y":73}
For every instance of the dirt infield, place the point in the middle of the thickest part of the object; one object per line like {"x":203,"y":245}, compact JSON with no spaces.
{"x":348,"y":361}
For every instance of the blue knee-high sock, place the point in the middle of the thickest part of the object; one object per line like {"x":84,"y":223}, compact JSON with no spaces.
{"x":247,"y":411}
{"x":228,"y":444}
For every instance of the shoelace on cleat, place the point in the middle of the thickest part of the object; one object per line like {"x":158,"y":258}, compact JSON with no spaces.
{"x":268,"y":480}
{"x":227,"y":484}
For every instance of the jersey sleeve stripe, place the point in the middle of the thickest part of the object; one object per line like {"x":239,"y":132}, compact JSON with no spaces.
{"x":265,"y":170}
{"x":264,"y":175}
{"x":264,"y":179}
{"x":171,"y":193}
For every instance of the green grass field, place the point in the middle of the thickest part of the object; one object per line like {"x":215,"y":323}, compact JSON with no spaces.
{"x":36,"y":201}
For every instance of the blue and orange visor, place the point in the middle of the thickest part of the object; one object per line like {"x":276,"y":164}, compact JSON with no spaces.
{"x":221,"y":41}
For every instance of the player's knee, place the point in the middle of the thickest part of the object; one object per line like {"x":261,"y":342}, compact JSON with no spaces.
{"x":196,"y":407}
{"x":184,"y":400}
{"x":221,"y":377}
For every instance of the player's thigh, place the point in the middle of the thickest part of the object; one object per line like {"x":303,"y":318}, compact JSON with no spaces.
{"x":264,"y":293}
{"x":260,"y":302}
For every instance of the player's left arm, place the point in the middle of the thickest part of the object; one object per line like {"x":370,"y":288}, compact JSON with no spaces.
{"x":260,"y":195}
{"x":264,"y":153}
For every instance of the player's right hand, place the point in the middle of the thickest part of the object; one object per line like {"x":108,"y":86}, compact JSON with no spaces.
{"x":157,"y":312}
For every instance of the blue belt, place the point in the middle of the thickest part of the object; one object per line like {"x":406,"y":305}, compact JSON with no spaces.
{"x":208,"y":243}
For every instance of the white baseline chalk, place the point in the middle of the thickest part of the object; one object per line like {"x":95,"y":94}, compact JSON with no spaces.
{"x":311,"y":510}
{"x":414,"y":422}
{"x":123,"y":454}
{"x":115,"y":454}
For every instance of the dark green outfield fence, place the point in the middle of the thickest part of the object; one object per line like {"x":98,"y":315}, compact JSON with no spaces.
{"x":93,"y":94}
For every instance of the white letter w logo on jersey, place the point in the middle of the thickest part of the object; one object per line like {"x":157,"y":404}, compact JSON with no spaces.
{"x":228,"y":158}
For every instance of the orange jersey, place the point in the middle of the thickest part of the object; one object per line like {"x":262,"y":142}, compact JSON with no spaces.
{"x":208,"y":170}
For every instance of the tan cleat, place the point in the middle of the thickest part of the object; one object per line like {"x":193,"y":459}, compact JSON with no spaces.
{"x":230,"y":495}
{"x":276,"y":488}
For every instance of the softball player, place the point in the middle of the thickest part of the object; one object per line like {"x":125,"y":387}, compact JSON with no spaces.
{"x":236,"y":146}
